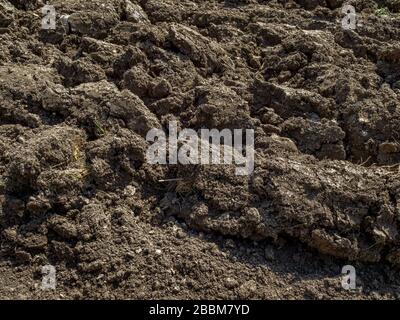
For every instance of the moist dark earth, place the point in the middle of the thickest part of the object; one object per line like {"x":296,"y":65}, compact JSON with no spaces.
{"x":76,"y":191}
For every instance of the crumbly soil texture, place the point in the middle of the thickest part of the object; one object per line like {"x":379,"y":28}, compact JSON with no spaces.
{"x":77,"y":193}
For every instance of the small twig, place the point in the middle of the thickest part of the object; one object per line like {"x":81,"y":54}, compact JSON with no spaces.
{"x":375,"y":244}
{"x":59,"y":165}
{"x":361,"y":164}
{"x":391,"y":166}
{"x":169,"y":180}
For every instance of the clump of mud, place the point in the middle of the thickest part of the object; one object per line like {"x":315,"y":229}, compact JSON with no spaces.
{"x":77,"y":102}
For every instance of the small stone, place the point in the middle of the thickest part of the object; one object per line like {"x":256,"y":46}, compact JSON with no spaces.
{"x":162,"y":89}
{"x":253,"y":215}
{"x":129,"y":191}
{"x":231,"y":283}
{"x":157,"y":285}
{"x":180,"y":234}
{"x":176,"y":289}
{"x":247,"y":290}
{"x":23,"y":256}
{"x":389,"y":147}
{"x":135,"y":13}
{"x":379,"y":235}
{"x":129,"y":255}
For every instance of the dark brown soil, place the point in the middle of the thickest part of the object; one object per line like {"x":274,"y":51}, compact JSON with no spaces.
{"x":76,"y":191}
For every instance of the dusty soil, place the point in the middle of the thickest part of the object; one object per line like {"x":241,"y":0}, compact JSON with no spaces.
{"x":75,"y":189}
